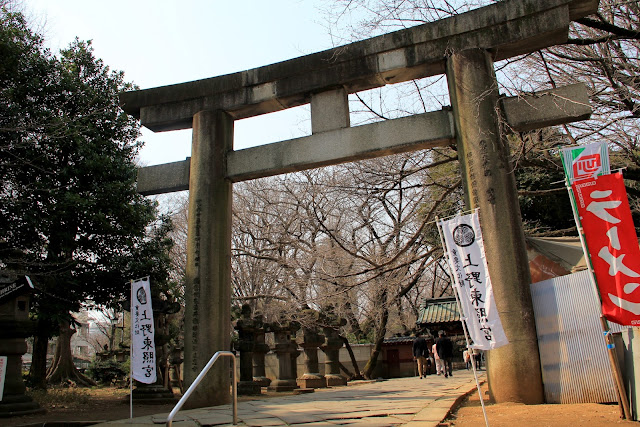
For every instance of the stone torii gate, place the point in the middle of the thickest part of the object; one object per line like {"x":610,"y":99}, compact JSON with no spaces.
{"x":464,"y":48}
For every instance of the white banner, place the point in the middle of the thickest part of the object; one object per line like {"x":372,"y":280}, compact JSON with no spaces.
{"x":3,"y":374}
{"x":143,"y":350}
{"x":585,"y":161}
{"x":463,"y":239}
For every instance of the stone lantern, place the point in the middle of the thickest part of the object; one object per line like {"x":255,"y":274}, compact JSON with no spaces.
{"x":286,"y":351}
{"x":312,"y":339}
{"x":15,"y":326}
{"x":260,"y":349}
{"x":331,"y":347}
{"x":246,"y":327}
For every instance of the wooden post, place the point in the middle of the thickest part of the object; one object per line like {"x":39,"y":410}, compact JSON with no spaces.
{"x":623,"y":400}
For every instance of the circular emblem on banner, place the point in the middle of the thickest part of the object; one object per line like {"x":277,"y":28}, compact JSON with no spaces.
{"x":463,"y":235}
{"x":142,"y":296}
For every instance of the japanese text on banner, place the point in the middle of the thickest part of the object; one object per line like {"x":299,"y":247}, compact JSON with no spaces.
{"x":143,"y":352}
{"x":612,"y":242}
{"x":463,"y":240}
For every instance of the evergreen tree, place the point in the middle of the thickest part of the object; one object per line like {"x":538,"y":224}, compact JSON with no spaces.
{"x":70,"y":216}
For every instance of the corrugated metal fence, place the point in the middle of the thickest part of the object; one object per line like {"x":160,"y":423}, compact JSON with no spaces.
{"x":575,"y":365}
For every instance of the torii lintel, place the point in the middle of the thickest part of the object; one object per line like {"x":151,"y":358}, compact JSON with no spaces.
{"x":506,"y":29}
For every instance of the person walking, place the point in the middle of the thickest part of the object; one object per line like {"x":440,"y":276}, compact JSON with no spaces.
{"x":421,"y":354}
{"x":444,"y":347}
{"x":437,"y":360}
{"x":467,"y":359}
{"x":477,"y":358}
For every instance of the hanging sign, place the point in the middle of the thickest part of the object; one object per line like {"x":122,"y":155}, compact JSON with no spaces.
{"x":13,"y":290}
{"x":463,"y":240}
{"x":143,"y":351}
{"x":585,"y":161}
{"x":611,"y":238}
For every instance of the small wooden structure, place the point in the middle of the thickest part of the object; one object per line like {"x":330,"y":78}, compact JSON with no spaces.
{"x":397,"y":357}
{"x":439,"y":314}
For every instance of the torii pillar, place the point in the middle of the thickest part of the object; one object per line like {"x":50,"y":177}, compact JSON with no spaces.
{"x":483,"y":153}
{"x":207,"y":326}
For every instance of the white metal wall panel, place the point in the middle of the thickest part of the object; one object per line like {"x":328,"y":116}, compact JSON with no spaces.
{"x":573,"y":353}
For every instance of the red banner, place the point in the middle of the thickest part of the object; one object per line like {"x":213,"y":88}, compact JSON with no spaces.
{"x":611,"y":238}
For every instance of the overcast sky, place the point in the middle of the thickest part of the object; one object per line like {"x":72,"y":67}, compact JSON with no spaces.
{"x":161,"y":42}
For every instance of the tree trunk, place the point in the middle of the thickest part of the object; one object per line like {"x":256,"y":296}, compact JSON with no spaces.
{"x":353,"y":322}
{"x":38,"y":370}
{"x":350,"y":375}
{"x":382,"y":330}
{"x":112,"y":335}
{"x":62,"y":368}
{"x":354,"y":362}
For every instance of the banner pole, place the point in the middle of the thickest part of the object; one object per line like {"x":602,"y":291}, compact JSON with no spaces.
{"x":130,"y":352}
{"x":130,"y":387}
{"x":462,"y":320}
{"x":621,"y":392}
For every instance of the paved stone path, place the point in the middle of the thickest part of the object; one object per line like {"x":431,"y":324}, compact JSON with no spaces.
{"x":394,"y":402}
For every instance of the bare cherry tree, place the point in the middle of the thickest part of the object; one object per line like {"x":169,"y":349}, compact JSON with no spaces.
{"x":108,"y":324}
{"x":357,"y":237}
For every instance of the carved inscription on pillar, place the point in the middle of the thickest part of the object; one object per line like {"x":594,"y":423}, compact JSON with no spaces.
{"x":196,"y":286}
{"x":472,"y":179}
{"x":485,"y":172}
{"x":485,"y":158}
{"x":486,"y":169}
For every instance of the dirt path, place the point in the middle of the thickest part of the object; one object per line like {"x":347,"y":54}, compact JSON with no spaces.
{"x":99,"y":404}
{"x":469,"y":414}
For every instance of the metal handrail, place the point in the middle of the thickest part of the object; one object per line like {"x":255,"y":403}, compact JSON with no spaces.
{"x":195,"y":383}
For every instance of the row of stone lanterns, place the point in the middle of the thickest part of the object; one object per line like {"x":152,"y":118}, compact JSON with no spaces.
{"x":253,"y":348}
{"x":14,"y":311}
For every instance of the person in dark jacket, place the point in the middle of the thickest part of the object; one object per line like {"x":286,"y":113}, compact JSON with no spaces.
{"x":421,"y":355}
{"x":444,"y":347}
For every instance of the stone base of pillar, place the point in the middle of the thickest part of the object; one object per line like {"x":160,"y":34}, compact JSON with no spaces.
{"x":152,"y":395}
{"x":312,"y":381}
{"x":249,"y":388}
{"x":282,"y":385}
{"x":335,"y":380}
{"x":262,"y":381}
{"x":17,"y":405}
